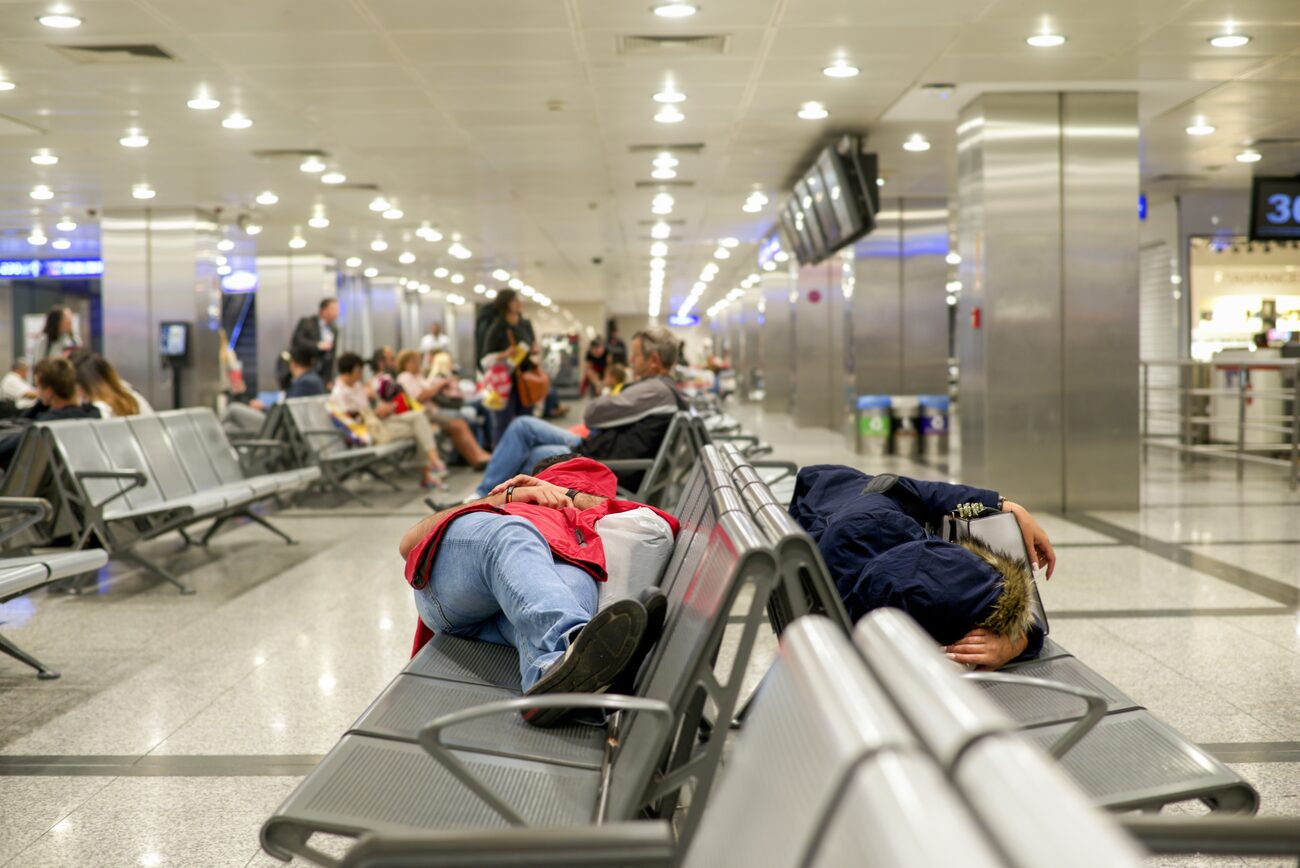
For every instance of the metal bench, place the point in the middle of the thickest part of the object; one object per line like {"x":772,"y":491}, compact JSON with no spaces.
{"x":20,"y":574}
{"x":495,"y":772}
{"x":315,"y":441}
{"x":665,"y":474}
{"x":125,"y":481}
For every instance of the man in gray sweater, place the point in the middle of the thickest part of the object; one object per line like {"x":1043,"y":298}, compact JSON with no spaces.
{"x":630,"y":424}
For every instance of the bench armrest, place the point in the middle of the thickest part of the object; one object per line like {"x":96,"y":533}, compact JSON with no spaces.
{"x":431,"y":733}
{"x":645,"y":843}
{"x":1240,"y":836}
{"x":257,"y":443}
{"x":1095,"y":712}
{"x":134,"y":477}
{"x":37,"y":509}
{"x":629,"y":463}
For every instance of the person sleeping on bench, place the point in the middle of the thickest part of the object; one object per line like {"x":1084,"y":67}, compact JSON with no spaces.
{"x":873,"y":533}
{"x":520,"y":567}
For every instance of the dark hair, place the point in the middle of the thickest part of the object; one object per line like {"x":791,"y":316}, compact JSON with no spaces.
{"x":53,"y":325}
{"x":349,"y":362}
{"x":502,"y":302}
{"x":377,"y":360}
{"x":597,"y":341}
{"x":58,"y":376}
{"x":303,"y":357}
{"x":99,"y":380}
{"x":546,"y":463}
{"x":326,"y":302}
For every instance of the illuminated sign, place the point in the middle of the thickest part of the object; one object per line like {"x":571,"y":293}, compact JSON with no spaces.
{"x":1142,"y":206}
{"x":239,"y":281}
{"x":37,"y":268}
{"x":690,"y":319}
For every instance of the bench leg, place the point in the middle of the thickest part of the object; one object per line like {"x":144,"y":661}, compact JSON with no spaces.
{"x":150,"y":567}
{"x":221,"y":520}
{"x":370,"y":469}
{"x":248,"y":513}
{"x":189,"y":540}
{"x":43,"y":672}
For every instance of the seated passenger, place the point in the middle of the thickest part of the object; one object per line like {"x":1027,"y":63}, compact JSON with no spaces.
{"x":101,"y":385}
{"x":15,"y":387}
{"x":403,"y":373}
{"x":630,"y":424}
{"x":520,"y":567}
{"x":306,"y":381}
{"x":383,"y":422}
{"x":57,"y":398}
{"x":872,"y":533}
{"x":615,"y":379}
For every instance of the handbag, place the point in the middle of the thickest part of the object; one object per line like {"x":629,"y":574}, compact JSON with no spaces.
{"x":531,"y":381}
{"x":996,"y":530}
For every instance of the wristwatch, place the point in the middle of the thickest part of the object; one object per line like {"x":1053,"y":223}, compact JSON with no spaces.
{"x":572,"y":494}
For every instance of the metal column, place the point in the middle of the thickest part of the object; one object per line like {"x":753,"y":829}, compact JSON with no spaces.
{"x":815,"y":388}
{"x":778,"y":339}
{"x":289,"y":288}
{"x":1047,"y":327}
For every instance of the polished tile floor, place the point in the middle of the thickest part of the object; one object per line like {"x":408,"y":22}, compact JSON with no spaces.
{"x":180,"y":722}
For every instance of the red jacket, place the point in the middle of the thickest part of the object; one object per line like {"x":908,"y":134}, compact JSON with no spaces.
{"x":570,"y":532}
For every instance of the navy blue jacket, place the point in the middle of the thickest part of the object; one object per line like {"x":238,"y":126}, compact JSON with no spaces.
{"x":307,"y":385}
{"x":879,"y":553}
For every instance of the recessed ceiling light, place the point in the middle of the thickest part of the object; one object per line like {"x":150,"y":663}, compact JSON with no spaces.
{"x":813,"y":111}
{"x":312,"y":165}
{"x":880,"y":182}
{"x":319,"y":221}
{"x":729,"y":242}
{"x":43,"y":157}
{"x":394,"y":214}
{"x":353,"y":262}
{"x":953,"y":258}
{"x":406,"y":258}
{"x":204,"y":103}
{"x":6,"y":84}
{"x":371,"y":272}
{"x":66,"y":224}
{"x":237,"y":121}
{"x":223,"y":270}
{"x":379,"y":245}
{"x":1046,"y":40}
{"x":665,"y":160}
{"x":670,"y":94}
{"x":37,"y":238}
{"x":60,"y":21}
{"x":41,"y":192}
{"x":440,"y":272}
{"x":669,"y":115}
{"x":225,"y":244}
{"x":333,"y":178}
{"x":840,"y":69}
{"x":134,"y":139}
{"x":1201,"y":127}
{"x":379,"y":203}
{"x":501,"y":274}
{"x":253,"y":228}
{"x":297,"y":242}
{"x":143,"y":191}
{"x":266,"y":197}
{"x":458,"y":250}
{"x":221,"y":260}
{"x":657,"y":263}
{"x":1250,"y":155}
{"x":953,"y":286}
{"x":61,"y":244}
{"x":1229,"y":40}
{"x":722,"y":253}
{"x":663,"y":174}
{"x":480,"y":288}
{"x":675,"y":9}
{"x":659,"y":249}
{"x":515,"y":283}
{"x":660,"y":231}
{"x":915,"y":143}
{"x":458,"y":278}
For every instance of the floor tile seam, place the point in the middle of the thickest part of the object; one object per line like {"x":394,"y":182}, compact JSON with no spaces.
{"x":1207,"y":689}
{"x":81,"y":804}
{"x":1257,"y":637}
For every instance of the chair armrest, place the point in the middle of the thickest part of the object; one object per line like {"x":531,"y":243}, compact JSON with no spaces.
{"x":37,"y":509}
{"x":336,"y":431}
{"x":134,"y":477}
{"x":1241,"y":836}
{"x":430,"y":737}
{"x":629,"y":463}
{"x":1095,"y":712}
{"x":646,"y":843}
{"x":258,"y":443}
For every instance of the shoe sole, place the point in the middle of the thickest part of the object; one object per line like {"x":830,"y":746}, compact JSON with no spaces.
{"x":656,"y":610}
{"x":599,"y":655}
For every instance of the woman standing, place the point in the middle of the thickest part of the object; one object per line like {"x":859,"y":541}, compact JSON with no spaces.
{"x":59,"y":339}
{"x":509,"y":341}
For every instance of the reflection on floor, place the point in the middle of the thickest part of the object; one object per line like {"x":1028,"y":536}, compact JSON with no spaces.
{"x":180,"y":722}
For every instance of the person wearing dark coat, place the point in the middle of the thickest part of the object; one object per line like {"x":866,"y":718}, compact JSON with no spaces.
{"x":872,"y":533}
{"x":56,"y":398}
{"x":318,"y":335}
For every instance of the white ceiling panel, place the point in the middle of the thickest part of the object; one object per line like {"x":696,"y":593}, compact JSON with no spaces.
{"x":1244,"y":12}
{"x":327,"y":78}
{"x":686,"y":72}
{"x":479,"y":76}
{"x":285,"y":17}
{"x":298,"y":49}
{"x":823,"y":44}
{"x":529,"y":46}
{"x":491,"y":15}
{"x":714,"y":16}
{"x":100,"y":18}
{"x":897,"y":13}
{"x":740,"y":42}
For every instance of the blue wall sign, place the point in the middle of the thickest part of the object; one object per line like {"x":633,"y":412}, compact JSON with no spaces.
{"x":36,"y":268}
{"x":690,"y":319}
{"x":239,"y":281}
{"x":1142,"y":206}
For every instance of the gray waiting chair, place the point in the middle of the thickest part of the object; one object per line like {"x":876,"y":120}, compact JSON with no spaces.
{"x":316,"y":441}
{"x":663,"y":476}
{"x":472,"y":770}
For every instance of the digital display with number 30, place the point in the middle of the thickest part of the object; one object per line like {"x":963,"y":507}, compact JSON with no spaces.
{"x":1275,"y":209}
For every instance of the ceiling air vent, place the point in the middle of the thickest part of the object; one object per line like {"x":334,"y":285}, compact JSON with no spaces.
{"x":671,"y":46}
{"x":300,"y":153}
{"x":1178,"y":178}
{"x":113,"y":53}
{"x":1276,"y":140}
{"x":361,"y":185}
{"x":678,"y":184}
{"x":688,"y":148}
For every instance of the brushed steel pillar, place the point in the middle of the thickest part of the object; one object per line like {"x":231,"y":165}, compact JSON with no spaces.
{"x":385,"y":313}
{"x":1047,"y":324}
{"x":160,"y":266}
{"x":814,"y":388}
{"x":289,"y":288}
{"x":778,"y":339}
{"x":876,"y":307}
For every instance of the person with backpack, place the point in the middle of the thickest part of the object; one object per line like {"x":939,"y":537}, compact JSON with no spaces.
{"x":508,"y":350}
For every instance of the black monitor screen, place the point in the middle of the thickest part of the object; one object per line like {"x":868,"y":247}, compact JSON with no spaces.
{"x":843,"y":197}
{"x":791,"y":241}
{"x":806,"y":215}
{"x":174,"y":339}
{"x":819,"y":188}
{"x":1275,"y":209}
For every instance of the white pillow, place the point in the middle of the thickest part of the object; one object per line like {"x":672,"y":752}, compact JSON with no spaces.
{"x":638,"y":545}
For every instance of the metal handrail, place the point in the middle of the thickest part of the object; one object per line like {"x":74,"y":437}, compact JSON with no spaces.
{"x":1191,"y":419}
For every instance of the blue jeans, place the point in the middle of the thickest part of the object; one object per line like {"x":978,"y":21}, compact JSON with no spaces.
{"x":527,"y":441}
{"x":495,"y":579}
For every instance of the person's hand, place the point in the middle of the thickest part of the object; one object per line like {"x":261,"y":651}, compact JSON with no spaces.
{"x":986,"y":650}
{"x":383,"y":409}
{"x":544,"y":494}
{"x":523,"y":480}
{"x":256,"y":404}
{"x":1036,"y":541}
{"x":324,"y":346}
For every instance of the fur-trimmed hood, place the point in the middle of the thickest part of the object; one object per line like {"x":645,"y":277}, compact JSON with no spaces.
{"x":1013,"y":612}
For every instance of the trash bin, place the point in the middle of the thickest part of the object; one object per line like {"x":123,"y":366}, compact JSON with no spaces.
{"x":872,"y":422}
{"x":907,"y":442}
{"x":934,"y":425}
